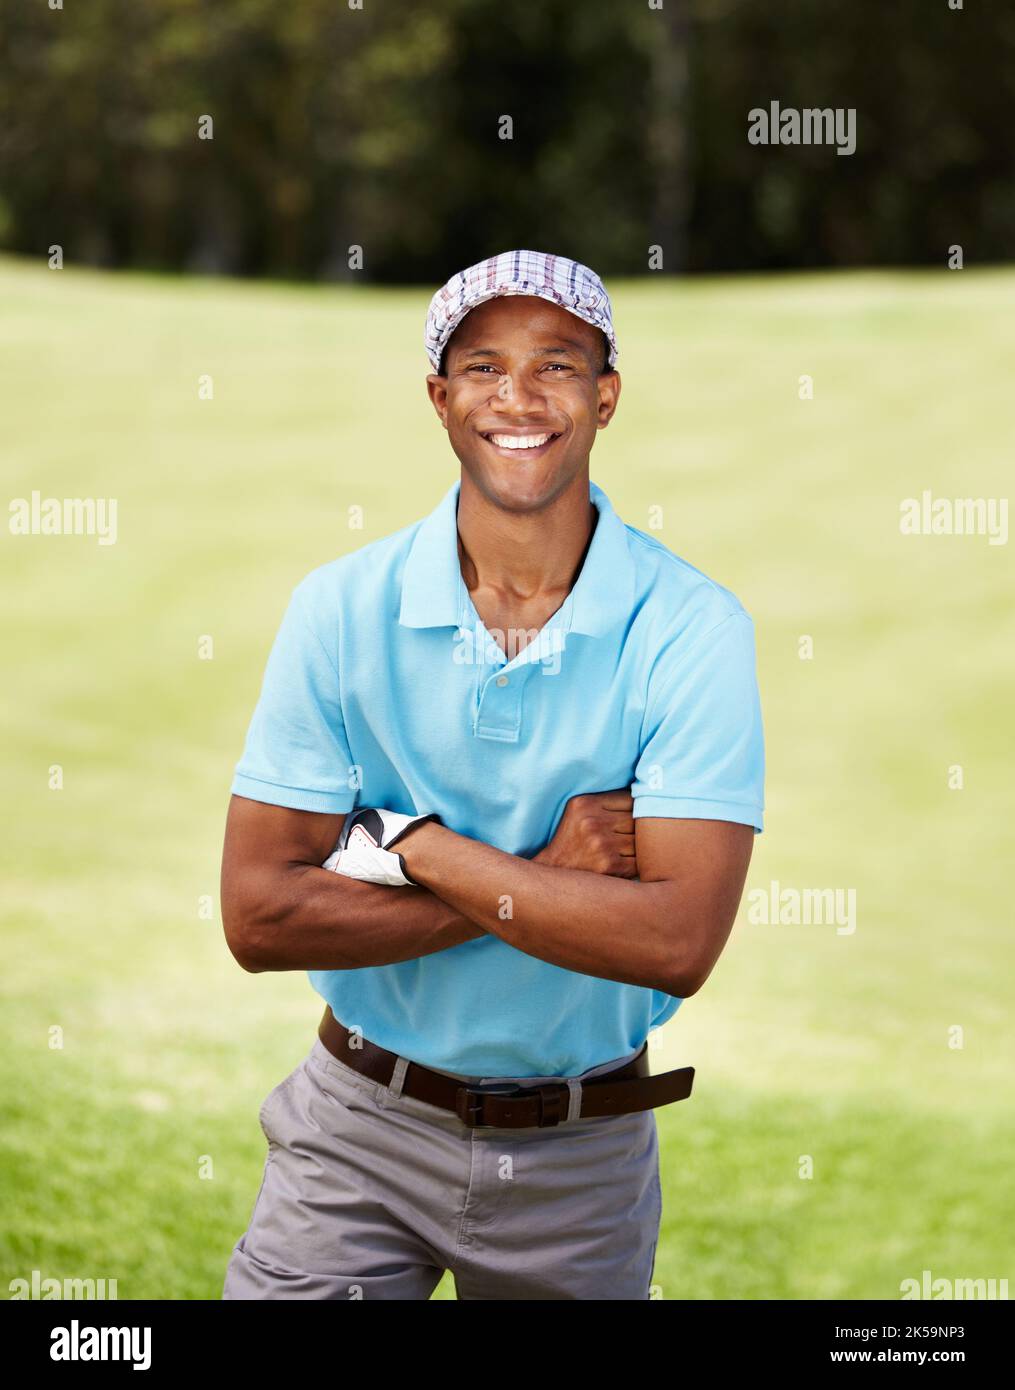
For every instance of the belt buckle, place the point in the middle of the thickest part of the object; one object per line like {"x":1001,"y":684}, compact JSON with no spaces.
{"x":469,"y":1106}
{"x":553,"y":1103}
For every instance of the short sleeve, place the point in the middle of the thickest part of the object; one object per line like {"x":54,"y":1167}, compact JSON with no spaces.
{"x":703,"y":753}
{"x":297,"y":753}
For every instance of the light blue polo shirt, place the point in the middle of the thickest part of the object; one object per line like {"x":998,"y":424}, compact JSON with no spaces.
{"x":383,"y":688}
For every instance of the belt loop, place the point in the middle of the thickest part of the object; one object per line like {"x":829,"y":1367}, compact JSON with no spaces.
{"x":398,"y":1077}
{"x":574,"y":1099}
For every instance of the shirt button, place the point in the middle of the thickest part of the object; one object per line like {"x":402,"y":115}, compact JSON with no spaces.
{"x":502,"y":680}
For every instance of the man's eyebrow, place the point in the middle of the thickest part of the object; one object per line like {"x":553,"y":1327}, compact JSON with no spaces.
{"x":570,"y":346}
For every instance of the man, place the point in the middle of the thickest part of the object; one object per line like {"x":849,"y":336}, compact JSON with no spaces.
{"x":534,"y":735}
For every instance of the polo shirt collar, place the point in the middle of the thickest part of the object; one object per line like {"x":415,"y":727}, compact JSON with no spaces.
{"x":432,"y":581}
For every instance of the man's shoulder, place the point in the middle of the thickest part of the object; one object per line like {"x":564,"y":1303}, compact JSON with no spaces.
{"x":360,"y":578}
{"x":678,"y":600}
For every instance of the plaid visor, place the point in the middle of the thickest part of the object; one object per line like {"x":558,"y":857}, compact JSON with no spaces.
{"x":570,"y":284}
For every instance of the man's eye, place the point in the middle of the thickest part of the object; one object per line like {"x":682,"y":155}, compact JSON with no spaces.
{"x":482,"y":367}
{"x":560,"y":366}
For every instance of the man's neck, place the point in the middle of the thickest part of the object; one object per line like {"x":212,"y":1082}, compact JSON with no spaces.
{"x":524,"y":555}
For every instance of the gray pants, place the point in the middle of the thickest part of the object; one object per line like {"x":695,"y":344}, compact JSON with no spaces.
{"x":371,"y":1194}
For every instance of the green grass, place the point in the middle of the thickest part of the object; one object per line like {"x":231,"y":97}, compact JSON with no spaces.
{"x":805,"y":1042}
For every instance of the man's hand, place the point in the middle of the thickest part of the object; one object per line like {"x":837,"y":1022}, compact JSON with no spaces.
{"x":596,"y":833}
{"x":366,"y":846}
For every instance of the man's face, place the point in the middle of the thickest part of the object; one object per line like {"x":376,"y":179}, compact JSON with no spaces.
{"x":523,"y":396}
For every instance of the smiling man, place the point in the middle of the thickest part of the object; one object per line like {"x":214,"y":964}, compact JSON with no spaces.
{"x":498,"y":798}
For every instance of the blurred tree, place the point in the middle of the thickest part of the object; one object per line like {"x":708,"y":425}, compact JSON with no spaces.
{"x":379,"y":127}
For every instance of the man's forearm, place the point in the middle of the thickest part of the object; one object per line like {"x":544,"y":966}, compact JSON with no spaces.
{"x":592,"y":923}
{"x":317,"y":920}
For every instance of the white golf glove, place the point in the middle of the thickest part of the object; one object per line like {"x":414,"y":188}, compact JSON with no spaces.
{"x":364,"y":848}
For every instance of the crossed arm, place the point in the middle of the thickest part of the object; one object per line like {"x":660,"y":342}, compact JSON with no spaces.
{"x":648,"y":902}
{"x":664,"y":930}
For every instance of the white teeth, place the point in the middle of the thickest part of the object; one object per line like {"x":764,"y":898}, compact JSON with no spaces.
{"x":520,"y":441}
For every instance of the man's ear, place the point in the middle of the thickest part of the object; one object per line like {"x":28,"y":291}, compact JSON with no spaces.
{"x":608,"y":387}
{"x":437,"y":389}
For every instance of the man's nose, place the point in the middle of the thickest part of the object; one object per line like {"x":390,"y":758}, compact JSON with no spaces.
{"x":517,"y":394}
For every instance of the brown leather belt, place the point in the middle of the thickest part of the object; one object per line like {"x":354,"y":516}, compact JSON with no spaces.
{"x":620,"y":1092}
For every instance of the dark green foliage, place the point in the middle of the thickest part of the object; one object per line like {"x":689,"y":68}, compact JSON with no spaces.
{"x":378,"y":127}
